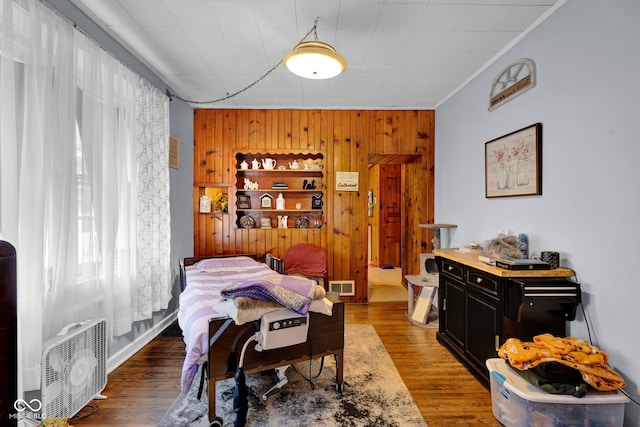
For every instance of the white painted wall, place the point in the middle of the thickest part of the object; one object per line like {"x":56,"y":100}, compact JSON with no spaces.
{"x":588,"y":101}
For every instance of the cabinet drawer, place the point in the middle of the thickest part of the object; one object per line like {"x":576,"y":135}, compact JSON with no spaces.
{"x":452,"y":269}
{"x":484,"y":282}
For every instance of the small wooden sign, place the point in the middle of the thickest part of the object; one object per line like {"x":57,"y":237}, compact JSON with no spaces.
{"x":174,"y":152}
{"x":347,"y":181}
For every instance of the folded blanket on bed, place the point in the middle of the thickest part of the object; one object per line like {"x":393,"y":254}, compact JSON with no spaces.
{"x":246,"y":303}
{"x":295,"y":293}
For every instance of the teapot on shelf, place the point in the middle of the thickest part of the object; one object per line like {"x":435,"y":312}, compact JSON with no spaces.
{"x":244,"y":165}
{"x":269,"y":163}
{"x":294,"y":165}
{"x":255,"y":164}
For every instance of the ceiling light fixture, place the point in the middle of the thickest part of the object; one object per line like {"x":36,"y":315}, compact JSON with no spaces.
{"x":311,"y":60}
{"x":315,"y":59}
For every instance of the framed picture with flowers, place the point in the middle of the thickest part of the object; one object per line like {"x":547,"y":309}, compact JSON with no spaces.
{"x":513,"y":163}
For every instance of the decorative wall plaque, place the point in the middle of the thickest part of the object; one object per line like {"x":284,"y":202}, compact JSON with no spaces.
{"x":174,"y":152}
{"x":516,"y":79}
{"x":347,"y":181}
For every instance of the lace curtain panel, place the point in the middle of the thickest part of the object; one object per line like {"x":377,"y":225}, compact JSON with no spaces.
{"x":84,"y":181}
{"x":153,"y":260}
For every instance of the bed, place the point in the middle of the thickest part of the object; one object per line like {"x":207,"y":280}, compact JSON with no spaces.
{"x":214,"y":329}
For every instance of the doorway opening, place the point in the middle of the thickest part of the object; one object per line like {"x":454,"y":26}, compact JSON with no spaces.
{"x":387,"y":226}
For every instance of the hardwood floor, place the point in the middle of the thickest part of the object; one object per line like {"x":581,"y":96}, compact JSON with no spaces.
{"x":141,"y":390}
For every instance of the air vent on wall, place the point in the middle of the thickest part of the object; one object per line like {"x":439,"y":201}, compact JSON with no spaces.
{"x":343,"y":287}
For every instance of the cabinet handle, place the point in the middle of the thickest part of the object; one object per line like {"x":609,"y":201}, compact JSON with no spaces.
{"x":497,"y":342}
{"x":450,"y":268}
{"x":479,"y":280}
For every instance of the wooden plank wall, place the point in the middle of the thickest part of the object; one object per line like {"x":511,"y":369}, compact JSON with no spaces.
{"x":374,"y":220}
{"x":346,"y":138}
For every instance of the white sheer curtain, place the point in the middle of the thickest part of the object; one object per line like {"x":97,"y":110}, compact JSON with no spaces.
{"x":36,"y":50}
{"x":154,"y":270}
{"x":74,"y":187}
{"x":106,"y":184}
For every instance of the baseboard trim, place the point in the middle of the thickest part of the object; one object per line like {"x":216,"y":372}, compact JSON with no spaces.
{"x":125,"y":353}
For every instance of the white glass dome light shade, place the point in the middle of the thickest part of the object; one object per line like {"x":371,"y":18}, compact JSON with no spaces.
{"x":315,"y":60}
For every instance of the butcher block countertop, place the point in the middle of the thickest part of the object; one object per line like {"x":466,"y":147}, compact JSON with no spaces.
{"x":471,"y":259}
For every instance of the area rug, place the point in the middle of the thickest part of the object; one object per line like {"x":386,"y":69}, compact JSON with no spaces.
{"x":373,"y":394}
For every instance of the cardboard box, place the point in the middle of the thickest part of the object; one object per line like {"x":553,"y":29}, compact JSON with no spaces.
{"x":517,"y":403}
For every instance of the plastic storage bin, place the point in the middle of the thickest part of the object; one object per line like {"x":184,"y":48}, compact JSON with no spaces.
{"x":517,"y":403}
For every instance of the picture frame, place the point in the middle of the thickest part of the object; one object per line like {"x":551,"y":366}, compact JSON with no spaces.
{"x":513,"y":163}
{"x":243,"y":202}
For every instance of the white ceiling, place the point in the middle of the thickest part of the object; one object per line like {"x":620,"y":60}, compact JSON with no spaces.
{"x":403,"y":54}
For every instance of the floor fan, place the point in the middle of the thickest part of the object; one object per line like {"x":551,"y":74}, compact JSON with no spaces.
{"x":74,"y":368}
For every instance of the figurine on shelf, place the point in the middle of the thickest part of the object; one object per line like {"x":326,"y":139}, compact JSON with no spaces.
{"x":316,"y":201}
{"x":295,"y":165}
{"x":250,"y":185}
{"x":269,"y":163}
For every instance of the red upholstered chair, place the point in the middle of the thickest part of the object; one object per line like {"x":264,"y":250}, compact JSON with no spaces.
{"x":308,"y":261}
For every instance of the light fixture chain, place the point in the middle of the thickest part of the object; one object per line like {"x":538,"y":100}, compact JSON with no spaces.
{"x":231,"y":95}
{"x":314,"y":29}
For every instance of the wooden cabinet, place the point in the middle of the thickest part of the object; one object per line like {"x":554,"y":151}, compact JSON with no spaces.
{"x":453,"y":310}
{"x":480,"y":306}
{"x":471,"y":315}
{"x":484,"y":326}
{"x":298,"y":178}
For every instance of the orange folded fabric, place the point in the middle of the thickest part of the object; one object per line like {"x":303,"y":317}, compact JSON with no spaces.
{"x":569,"y":351}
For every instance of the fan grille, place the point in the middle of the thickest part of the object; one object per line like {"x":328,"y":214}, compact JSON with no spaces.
{"x":74,"y":370}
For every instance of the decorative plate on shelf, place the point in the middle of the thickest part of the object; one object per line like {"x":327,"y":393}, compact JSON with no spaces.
{"x":302,"y":222}
{"x":247,"y":221}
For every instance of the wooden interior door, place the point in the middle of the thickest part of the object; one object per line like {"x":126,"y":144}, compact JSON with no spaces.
{"x":390,"y":238}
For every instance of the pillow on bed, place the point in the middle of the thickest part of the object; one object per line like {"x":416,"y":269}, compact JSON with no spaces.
{"x":239,"y":261}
